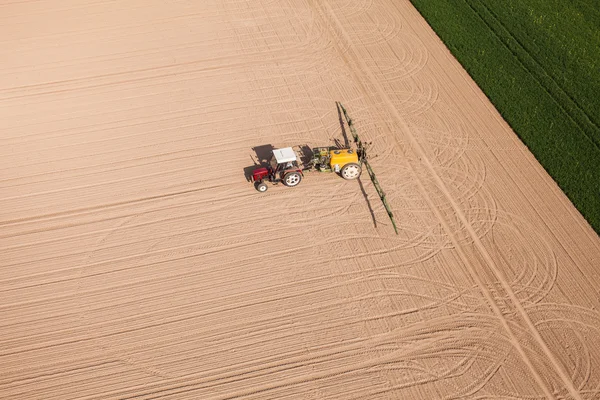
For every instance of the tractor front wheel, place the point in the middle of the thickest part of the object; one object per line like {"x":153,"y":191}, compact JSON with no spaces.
{"x":261,"y":187}
{"x":292,"y":179}
{"x":351,"y":171}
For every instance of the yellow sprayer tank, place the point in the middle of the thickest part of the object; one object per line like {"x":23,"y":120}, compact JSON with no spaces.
{"x":341,"y":157}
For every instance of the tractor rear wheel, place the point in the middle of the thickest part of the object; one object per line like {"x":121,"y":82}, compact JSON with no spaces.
{"x":351,"y":171}
{"x":292,"y":179}
{"x":261,"y":187}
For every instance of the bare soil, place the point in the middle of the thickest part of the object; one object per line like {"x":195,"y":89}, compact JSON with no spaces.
{"x":138,"y":262}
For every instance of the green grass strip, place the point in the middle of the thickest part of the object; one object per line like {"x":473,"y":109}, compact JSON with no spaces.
{"x":538,"y":61}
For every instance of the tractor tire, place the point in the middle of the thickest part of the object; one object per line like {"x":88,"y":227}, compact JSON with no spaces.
{"x":351,"y":171}
{"x":292,"y":179}
{"x":261,"y":187}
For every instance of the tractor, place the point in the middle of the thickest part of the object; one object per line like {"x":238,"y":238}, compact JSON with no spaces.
{"x":287,"y":165}
{"x":284,"y":165}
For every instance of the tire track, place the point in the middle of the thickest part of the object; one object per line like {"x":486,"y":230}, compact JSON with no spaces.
{"x":330,"y":15}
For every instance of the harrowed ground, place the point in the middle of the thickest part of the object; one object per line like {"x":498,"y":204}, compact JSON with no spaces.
{"x":137,"y":261}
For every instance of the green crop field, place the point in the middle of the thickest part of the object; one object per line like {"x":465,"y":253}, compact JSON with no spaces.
{"x":538,"y":61}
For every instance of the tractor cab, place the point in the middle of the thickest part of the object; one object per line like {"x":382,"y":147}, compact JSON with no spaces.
{"x":283,"y":159}
{"x":283,"y":167}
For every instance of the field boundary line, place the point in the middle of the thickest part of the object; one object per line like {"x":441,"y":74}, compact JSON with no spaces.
{"x":520,"y":145}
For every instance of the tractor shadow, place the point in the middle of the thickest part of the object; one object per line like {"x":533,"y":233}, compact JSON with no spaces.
{"x":262,"y":155}
{"x":346,"y":145}
{"x":305,"y":153}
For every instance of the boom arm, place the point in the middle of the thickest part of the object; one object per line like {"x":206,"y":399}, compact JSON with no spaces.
{"x":362,"y":151}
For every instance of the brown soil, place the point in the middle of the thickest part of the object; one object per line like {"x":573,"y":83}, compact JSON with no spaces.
{"x":137,"y":261}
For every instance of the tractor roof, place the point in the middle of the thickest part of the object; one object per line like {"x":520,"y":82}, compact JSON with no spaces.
{"x":287,"y":154}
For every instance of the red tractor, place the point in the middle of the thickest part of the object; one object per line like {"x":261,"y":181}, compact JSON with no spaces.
{"x":283,"y":167}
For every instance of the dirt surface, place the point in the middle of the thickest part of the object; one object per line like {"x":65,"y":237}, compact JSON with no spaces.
{"x":137,"y":261}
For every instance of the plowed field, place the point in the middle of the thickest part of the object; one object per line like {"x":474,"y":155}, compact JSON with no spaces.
{"x":138,"y":262}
